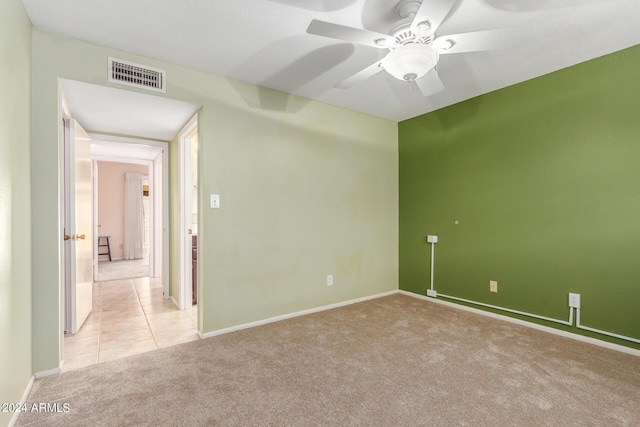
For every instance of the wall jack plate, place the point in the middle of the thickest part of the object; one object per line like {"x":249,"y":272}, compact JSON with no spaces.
{"x":329,"y":279}
{"x":432,"y":239}
{"x":493,"y":286}
{"x":432,"y":293}
{"x":574,"y":300}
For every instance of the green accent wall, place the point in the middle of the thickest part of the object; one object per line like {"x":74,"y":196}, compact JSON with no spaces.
{"x":544,"y":180}
{"x":15,"y":204}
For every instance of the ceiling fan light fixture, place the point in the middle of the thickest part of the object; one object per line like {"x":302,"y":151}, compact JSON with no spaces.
{"x":411,"y":61}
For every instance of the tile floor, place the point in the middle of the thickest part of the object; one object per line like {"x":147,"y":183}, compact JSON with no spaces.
{"x":129,"y":317}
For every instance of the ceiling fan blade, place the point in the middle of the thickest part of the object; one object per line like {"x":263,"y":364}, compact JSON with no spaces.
{"x":430,"y":83}
{"x":476,"y":41}
{"x":361,"y":75}
{"x":350,"y":34}
{"x":433,"y":11}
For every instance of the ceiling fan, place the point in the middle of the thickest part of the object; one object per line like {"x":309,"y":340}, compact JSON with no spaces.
{"x":413,"y":47}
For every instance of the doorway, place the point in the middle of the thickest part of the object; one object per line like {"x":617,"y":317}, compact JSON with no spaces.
{"x":188,"y":146}
{"x":144,"y":302}
{"x":130,"y":315}
{"x":119,"y":205}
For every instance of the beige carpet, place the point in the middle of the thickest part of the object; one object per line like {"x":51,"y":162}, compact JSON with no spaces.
{"x":393,"y":361}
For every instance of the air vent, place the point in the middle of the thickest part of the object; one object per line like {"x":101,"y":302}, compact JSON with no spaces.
{"x":136,"y":75}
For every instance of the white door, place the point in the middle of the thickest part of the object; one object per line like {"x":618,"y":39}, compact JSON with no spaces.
{"x":188,"y":141}
{"x":78,"y":225}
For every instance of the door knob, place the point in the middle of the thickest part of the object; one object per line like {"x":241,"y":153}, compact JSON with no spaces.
{"x":66,"y":237}
{"x":189,"y":231}
{"x":78,"y":237}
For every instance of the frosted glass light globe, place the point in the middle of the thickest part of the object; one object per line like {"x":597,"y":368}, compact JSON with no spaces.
{"x":411,"y":61}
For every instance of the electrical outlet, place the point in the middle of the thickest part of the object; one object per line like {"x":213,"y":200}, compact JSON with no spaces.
{"x":432,"y":239}
{"x":432,"y":293}
{"x":329,"y":279}
{"x":574,"y":300}
{"x":493,"y":286}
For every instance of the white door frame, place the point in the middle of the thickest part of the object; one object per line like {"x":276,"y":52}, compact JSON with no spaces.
{"x":158,"y":175}
{"x":184,"y":136}
{"x":64,"y":263}
{"x":96,"y":232}
{"x":159,"y":203}
{"x":67,"y":272}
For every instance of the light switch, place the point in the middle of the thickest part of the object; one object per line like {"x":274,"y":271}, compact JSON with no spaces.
{"x":215,"y":201}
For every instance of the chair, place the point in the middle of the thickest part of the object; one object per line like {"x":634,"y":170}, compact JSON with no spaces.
{"x":101,"y":244}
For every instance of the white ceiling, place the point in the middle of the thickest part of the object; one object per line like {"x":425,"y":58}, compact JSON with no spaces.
{"x":265,"y":42}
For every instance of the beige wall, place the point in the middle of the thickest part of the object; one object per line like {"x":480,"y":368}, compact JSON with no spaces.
{"x":111,"y":182}
{"x":15,"y":204}
{"x":307,"y":189}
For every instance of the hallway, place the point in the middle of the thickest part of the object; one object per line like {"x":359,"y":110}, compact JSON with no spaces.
{"x":129,"y":317}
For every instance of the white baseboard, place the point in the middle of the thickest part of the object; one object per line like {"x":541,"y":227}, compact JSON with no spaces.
{"x":42,"y":374}
{"x":25,"y":395}
{"x":292,"y":315}
{"x":175,"y":302}
{"x":532,"y":325}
